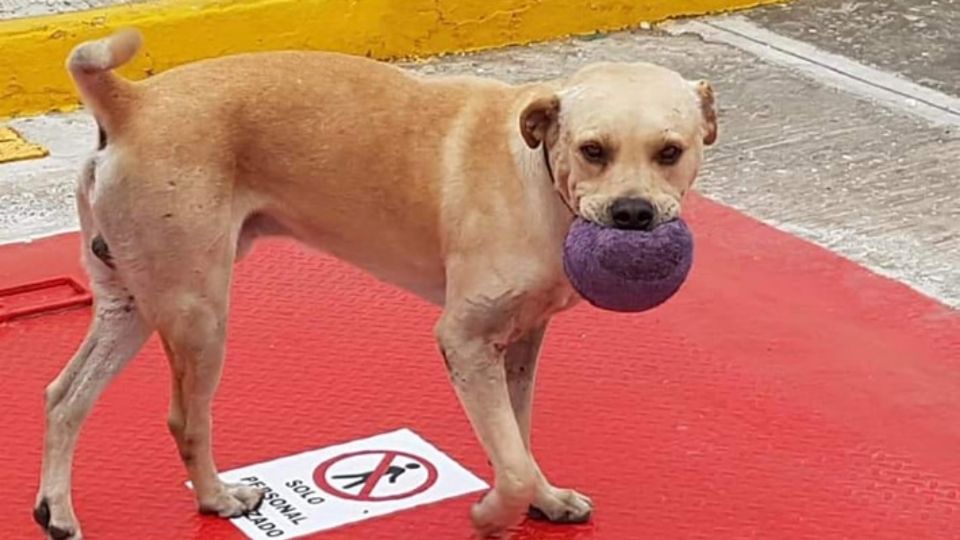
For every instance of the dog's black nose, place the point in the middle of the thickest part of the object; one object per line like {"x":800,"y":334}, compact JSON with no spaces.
{"x":636,"y":214}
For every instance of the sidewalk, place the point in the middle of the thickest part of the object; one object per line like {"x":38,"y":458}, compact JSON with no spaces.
{"x":11,"y":9}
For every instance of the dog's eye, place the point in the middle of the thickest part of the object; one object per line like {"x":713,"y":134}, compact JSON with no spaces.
{"x":669,"y":154}
{"x":593,"y":152}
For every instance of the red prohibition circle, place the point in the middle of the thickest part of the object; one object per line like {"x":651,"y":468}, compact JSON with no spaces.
{"x":320,"y":476}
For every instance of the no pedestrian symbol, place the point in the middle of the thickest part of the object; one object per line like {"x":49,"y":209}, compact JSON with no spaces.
{"x":375,"y":475}
{"x":346,"y":483}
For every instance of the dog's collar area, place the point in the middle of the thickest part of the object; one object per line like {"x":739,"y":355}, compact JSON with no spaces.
{"x":553,"y":179}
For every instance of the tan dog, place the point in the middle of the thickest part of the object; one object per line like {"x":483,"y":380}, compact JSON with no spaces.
{"x":458,"y":189}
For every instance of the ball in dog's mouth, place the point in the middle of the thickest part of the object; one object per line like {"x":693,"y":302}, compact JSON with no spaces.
{"x":627,"y":270}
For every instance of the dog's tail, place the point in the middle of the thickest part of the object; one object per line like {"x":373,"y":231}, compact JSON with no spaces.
{"x":91,"y":65}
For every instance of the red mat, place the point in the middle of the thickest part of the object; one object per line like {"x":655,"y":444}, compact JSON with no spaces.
{"x":784,"y":393}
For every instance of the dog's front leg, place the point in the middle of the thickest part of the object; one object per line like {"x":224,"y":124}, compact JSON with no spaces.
{"x":475,"y":361}
{"x":550,"y":503}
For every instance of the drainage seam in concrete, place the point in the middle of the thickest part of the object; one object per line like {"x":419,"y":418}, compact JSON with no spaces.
{"x":835,"y":70}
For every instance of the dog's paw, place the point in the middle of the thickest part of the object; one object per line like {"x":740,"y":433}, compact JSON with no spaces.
{"x":232,"y":500}
{"x":561,"y":506}
{"x":492,"y":515}
{"x":56,"y":520}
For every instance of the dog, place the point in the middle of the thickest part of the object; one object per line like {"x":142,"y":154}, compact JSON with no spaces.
{"x":458,"y":189}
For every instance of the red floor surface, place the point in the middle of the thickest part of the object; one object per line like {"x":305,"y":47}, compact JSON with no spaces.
{"x":784,"y":393}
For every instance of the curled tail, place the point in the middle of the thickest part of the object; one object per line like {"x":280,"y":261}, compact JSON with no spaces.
{"x":91,"y":65}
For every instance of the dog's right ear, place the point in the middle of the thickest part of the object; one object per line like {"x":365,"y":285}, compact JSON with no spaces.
{"x":537,"y":117}
{"x":708,"y":107}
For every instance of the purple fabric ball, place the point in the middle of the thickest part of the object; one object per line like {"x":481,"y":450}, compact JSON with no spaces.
{"x":625,"y":270}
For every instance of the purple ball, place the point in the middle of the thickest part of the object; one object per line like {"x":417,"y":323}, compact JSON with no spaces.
{"x":627,"y":270}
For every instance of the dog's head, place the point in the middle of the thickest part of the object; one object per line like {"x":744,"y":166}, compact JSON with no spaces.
{"x":625,"y":141}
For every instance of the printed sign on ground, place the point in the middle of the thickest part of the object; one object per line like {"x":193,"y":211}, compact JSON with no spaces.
{"x":329,"y":487}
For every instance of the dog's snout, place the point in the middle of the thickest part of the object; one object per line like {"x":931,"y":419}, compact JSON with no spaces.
{"x":632,"y":213}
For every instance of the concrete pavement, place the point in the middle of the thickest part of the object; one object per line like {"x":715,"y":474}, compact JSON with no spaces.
{"x":10,"y":9}
{"x":917,"y":38}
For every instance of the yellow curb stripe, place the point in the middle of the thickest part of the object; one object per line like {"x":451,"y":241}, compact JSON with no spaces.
{"x":13,"y":147}
{"x":178,"y":31}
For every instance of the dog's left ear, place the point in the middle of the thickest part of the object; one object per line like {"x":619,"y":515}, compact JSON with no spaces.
{"x":537,"y":117}
{"x":708,"y":106}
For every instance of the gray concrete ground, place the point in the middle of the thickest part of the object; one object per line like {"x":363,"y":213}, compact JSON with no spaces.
{"x":875,"y":184}
{"x":918,"y":38}
{"x":10,"y":9}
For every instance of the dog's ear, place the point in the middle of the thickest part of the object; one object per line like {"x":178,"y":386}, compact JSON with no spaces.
{"x":708,"y":106}
{"x":537,"y":117}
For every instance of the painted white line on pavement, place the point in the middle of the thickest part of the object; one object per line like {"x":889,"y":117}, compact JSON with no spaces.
{"x":831,"y":69}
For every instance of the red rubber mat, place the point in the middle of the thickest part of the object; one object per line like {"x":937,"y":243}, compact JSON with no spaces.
{"x":785,"y":393}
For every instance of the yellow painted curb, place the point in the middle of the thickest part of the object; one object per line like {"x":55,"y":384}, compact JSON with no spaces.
{"x":13,"y":147}
{"x":180,"y":31}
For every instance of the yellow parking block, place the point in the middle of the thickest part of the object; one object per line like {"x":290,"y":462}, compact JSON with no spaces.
{"x":13,"y":147}
{"x":33,"y":78}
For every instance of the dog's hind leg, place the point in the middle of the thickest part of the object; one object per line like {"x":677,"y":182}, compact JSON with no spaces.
{"x":183,"y":283}
{"x":194,"y":342}
{"x":116,"y":334}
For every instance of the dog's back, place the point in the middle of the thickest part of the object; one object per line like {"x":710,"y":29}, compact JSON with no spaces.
{"x":309,"y":139}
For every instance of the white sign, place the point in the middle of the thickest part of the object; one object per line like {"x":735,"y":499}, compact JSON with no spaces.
{"x":329,"y":487}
